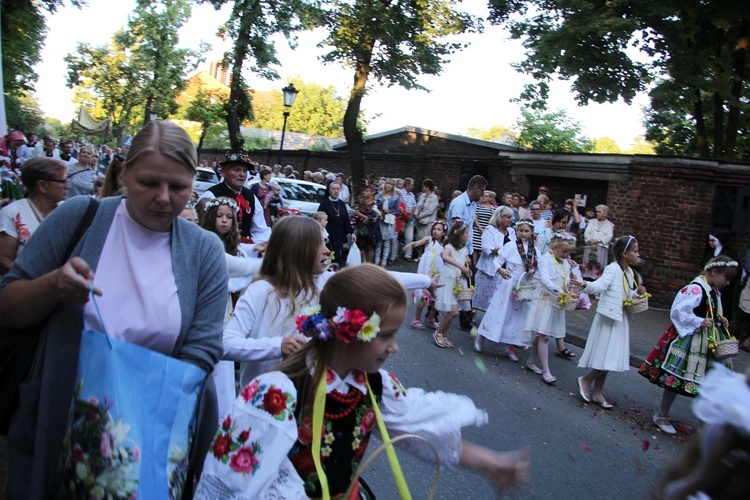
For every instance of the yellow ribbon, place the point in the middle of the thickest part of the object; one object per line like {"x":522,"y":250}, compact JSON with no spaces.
{"x":562,"y":274}
{"x":318,"y":409}
{"x":398,"y":475}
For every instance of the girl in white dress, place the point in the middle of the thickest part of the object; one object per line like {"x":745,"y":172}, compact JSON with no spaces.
{"x":290,"y":428}
{"x":608,"y":344}
{"x":506,"y":317}
{"x":262,"y":330}
{"x":430,"y":264}
{"x":456,"y":271}
{"x":220,"y":217}
{"x":545,"y":318}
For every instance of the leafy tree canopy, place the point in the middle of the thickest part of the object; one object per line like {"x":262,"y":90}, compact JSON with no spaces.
{"x":605,"y":145}
{"x":551,"y":131}
{"x":612,"y":50}
{"x":496,"y":133}
{"x":317,"y":110}
{"x":23,"y":32}
{"x":251,"y":25}
{"x":141,"y":67}
{"x":394,"y":41}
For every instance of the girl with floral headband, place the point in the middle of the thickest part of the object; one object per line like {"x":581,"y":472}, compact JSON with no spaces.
{"x":505,"y":318}
{"x":684,"y":354}
{"x":430,"y":264}
{"x":302,"y":431}
{"x":608,"y":343}
{"x":262,"y":330}
{"x":546,"y":318}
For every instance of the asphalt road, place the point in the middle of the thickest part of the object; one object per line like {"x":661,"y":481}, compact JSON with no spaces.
{"x":578,"y":450}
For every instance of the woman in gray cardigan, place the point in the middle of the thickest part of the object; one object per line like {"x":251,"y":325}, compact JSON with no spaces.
{"x":43,"y":289}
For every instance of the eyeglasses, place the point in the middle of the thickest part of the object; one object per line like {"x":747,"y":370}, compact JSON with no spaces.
{"x":63,"y":181}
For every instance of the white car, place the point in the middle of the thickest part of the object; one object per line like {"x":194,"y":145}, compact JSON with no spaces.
{"x":301,"y":195}
{"x":204,"y":179}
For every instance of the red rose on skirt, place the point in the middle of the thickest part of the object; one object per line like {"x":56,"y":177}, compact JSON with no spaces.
{"x":653,"y":372}
{"x":303,"y":463}
{"x":274,"y":401}
{"x":222,"y":445}
{"x":669,"y":381}
{"x":244,"y":460}
{"x":244,"y":435}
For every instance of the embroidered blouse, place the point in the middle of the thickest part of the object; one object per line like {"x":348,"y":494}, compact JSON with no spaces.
{"x":690,"y":306}
{"x":259,"y":449}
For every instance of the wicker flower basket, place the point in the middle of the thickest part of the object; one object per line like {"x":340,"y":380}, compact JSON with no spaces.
{"x":726,"y":349}
{"x":568,"y":306}
{"x":639,"y":305}
{"x":523,"y":293}
{"x":464,"y":294}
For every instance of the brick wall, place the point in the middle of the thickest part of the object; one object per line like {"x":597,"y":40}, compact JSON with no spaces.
{"x":664,"y":202}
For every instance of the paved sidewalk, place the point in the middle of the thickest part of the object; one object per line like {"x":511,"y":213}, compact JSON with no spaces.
{"x":645,"y":330}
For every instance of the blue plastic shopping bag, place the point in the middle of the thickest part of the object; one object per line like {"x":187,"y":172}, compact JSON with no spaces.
{"x":132,"y":421}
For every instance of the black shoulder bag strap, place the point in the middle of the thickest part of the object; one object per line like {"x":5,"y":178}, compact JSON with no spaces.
{"x":18,"y":347}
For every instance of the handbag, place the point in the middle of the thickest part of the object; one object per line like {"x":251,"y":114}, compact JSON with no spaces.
{"x":18,"y":347}
{"x":132,"y":421}
{"x":389,"y":219}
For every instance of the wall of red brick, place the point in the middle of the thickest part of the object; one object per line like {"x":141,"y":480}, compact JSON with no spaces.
{"x":664,"y":202}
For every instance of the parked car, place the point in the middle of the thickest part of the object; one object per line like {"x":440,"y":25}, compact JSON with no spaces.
{"x":204,"y":179}
{"x":302,"y":195}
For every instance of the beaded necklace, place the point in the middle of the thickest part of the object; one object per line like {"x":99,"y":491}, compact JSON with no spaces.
{"x":529,"y":256}
{"x":351,"y":399}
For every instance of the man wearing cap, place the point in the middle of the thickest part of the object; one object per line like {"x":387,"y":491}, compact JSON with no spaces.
{"x":235,"y":168}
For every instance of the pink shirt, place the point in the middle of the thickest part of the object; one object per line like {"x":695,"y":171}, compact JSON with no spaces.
{"x":140,"y":303}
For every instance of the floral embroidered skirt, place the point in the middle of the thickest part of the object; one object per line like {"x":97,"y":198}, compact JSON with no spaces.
{"x":679,"y":363}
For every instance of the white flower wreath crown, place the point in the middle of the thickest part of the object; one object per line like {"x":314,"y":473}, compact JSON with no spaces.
{"x":721,"y":263}
{"x":221,"y":201}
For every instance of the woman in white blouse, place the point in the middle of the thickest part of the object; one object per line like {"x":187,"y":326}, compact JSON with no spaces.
{"x":598,"y":235}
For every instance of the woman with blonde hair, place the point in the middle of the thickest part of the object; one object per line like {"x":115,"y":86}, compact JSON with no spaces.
{"x":160,"y":281}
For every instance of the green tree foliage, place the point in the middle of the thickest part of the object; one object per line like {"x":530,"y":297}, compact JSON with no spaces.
{"x":140,"y":68}
{"x":639,"y":146}
{"x":206,"y":108}
{"x":698,"y":50}
{"x":496,"y":133}
{"x":23,"y":32}
{"x":251,"y":25}
{"x":550,"y":131}
{"x":605,"y":145}
{"x":253,"y":142}
{"x":393,"y":41}
{"x":317,"y":110}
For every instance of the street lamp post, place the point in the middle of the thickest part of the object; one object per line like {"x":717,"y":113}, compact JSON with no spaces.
{"x":290,"y":94}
